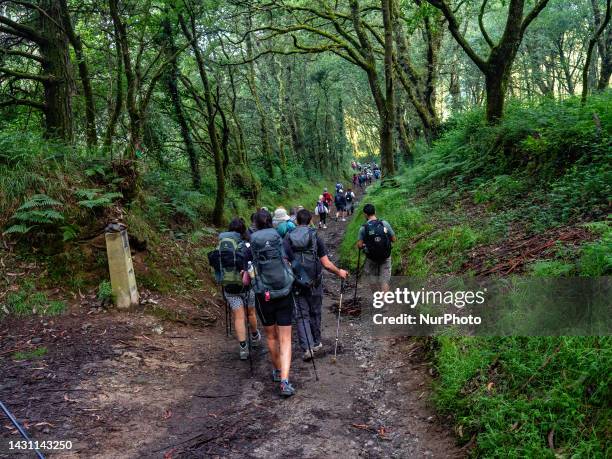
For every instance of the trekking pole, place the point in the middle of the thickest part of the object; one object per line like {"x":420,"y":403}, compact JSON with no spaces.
{"x":20,"y":429}
{"x":314,"y":367}
{"x":248,"y":329}
{"x":227,"y":319}
{"x":338,"y":324}
{"x":357,"y":277}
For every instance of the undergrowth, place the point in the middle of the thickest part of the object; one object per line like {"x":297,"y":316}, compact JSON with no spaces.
{"x":56,"y":200}
{"x":545,"y":166}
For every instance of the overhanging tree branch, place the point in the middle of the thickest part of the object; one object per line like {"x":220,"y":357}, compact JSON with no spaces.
{"x":481,"y":24}
{"x":12,"y":52}
{"x":453,"y":26}
{"x":28,"y":76}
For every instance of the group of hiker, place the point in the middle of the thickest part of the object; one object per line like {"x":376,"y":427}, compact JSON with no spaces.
{"x":273,"y":270}
{"x":365,"y":174}
{"x":344,"y":202}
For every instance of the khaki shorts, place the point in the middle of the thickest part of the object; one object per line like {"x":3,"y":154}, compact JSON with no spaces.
{"x":376,"y":273}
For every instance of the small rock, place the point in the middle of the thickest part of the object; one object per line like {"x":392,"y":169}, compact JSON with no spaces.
{"x":158,"y":329}
{"x":36,"y":340}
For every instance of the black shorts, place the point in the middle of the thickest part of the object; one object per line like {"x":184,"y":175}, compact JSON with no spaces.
{"x":278,"y":311}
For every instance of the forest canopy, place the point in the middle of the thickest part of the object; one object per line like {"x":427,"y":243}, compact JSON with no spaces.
{"x":243,"y":91}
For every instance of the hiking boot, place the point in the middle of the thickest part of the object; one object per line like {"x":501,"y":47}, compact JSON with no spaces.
{"x":244,"y":352}
{"x":317,"y":347}
{"x":256,"y":339}
{"x":286,"y":389}
{"x":308,"y":354}
{"x":276,"y":376}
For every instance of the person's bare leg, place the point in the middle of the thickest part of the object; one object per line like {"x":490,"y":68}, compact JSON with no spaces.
{"x":284,"y":334}
{"x":273,"y":345}
{"x":238,"y":315}
{"x":252,"y":319}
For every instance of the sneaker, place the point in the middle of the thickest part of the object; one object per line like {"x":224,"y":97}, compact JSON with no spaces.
{"x":244,"y":352}
{"x":308,"y":354}
{"x":286,"y":389}
{"x":256,"y":339}
{"x":324,"y":226}
{"x":317,"y":347}
{"x":276,"y":376}
{"x":344,"y":219}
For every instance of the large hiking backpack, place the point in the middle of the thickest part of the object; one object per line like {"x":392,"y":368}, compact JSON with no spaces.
{"x":340,"y":199}
{"x":285,"y":227}
{"x":377,"y":241}
{"x":273,"y":273}
{"x":321,"y":209}
{"x":306,"y":264}
{"x":227,"y":260}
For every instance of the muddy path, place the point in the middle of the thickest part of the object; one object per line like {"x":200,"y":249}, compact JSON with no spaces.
{"x":129,"y":385}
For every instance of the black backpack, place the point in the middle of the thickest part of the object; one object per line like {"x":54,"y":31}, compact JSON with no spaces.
{"x":377,"y":241}
{"x":306,"y":264}
{"x":273,"y":274}
{"x":340,"y":199}
{"x":349,"y":196}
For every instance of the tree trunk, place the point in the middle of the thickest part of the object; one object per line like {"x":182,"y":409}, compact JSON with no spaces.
{"x":496,"y":95}
{"x":135,"y":127}
{"x":179,"y":113}
{"x":59,"y":88}
{"x":402,"y":135}
{"x":77,"y":45}
{"x":604,"y":45}
{"x":210,"y":121}
{"x":118,"y":106}
{"x":592,"y":42}
{"x":388,"y":116}
{"x":266,"y":150}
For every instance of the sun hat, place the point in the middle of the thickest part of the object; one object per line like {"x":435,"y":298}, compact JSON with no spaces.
{"x":280,"y":215}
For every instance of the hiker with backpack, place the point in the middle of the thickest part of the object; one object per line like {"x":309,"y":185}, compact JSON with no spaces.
{"x":338,"y":186}
{"x":327,"y":198}
{"x":375,"y":238}
{"x":322,"y":210}
{"x":229,"y":262}
{"x":282,"y":222}
{"x":361,"y":180}
{"x":350,"y":202}
{"x":272,"y":281}
{"x":308,"y":256}
{"x":340,"y":202}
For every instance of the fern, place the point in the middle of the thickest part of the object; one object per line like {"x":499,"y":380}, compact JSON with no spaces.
{"x":18,"y":229}
{"x":96,"y":198}
{"x":38,"y":210}
{"x":44,"y":216}
{"x":87,"y":193}
{"x":39,"y":200}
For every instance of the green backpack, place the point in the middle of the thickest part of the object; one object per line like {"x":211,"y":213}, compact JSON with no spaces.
{"x":227,"y":260}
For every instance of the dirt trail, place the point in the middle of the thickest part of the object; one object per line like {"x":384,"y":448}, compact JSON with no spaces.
{"x":118,"y":388}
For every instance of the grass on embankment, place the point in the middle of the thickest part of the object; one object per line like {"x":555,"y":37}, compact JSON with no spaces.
{"x":543,"y":171}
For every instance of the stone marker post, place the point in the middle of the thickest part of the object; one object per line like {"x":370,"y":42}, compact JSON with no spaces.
{"x":123,"y":280}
